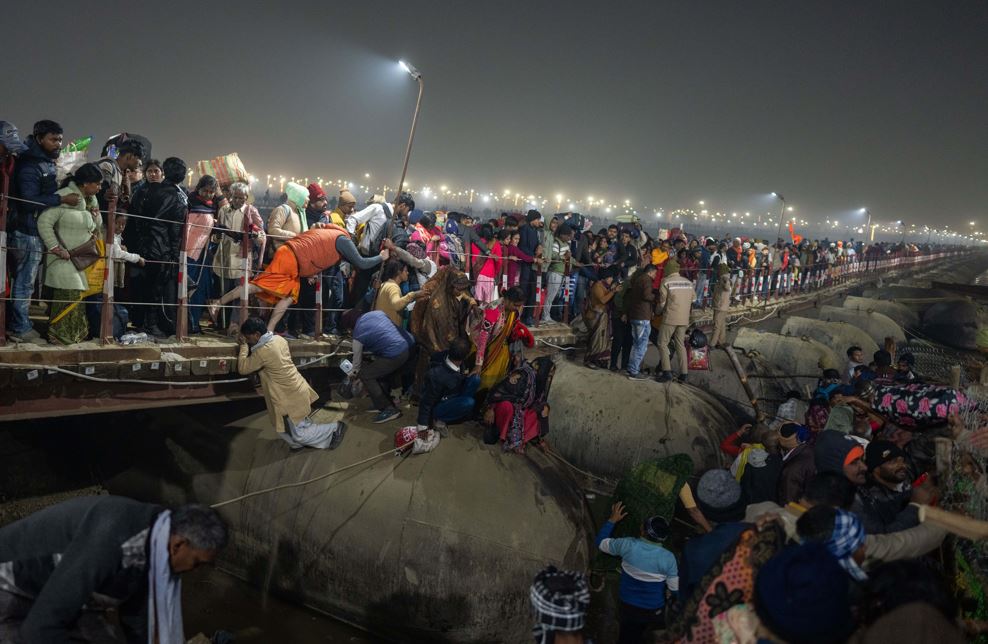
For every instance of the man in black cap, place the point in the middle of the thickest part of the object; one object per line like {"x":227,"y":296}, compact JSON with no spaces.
{"x":719,"y":497}
{"x":883,"y":503}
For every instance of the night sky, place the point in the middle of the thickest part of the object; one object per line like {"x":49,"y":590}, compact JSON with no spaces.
{"x":835,"y":104}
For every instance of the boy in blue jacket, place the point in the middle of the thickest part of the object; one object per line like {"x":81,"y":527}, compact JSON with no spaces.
{"x":647,"y":570}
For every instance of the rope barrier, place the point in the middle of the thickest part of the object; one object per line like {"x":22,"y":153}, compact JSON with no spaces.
{"x":184,"y":383}
{"x":285,"y":486}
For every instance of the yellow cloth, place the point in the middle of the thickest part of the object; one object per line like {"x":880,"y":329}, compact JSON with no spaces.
{"x":743,"y":458}
{"x":686,"y":497}
{"x":286,"y":393}
{"x":497,"y":355}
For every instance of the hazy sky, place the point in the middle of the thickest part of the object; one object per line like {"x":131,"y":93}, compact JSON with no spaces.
{"x":836,"y":104}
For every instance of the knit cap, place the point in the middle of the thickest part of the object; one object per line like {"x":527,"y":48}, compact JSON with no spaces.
{"x":801,"y":595}
{"x":718,"y":494}
{"x":833,"y":449}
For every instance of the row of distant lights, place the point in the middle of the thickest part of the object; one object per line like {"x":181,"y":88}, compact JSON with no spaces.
{"x":743,"y":219}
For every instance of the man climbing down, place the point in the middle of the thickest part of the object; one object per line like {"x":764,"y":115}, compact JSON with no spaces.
{"x":646,"y":570}
{"x":304,"y":256}
{"x":287,"y":395}
{"x":63,"y":568}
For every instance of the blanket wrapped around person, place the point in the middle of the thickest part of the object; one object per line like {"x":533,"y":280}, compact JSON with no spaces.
{"x":517,"y":411}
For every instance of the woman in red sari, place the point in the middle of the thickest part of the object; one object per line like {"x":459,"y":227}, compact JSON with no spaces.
{"x":518,"y":410}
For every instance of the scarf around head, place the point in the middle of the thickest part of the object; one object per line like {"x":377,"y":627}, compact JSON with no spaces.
{"x":847,"y":537}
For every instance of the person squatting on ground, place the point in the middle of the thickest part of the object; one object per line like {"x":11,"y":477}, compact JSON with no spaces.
{"x":391,"y":347}
{"x":287,"y":396}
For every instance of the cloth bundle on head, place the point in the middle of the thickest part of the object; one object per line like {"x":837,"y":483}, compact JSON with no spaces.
{"x":719,"y":496}
{"x":316,"y":192}
{"x":841,"y":419}
{"x":848,"y":536}
{"x":297,"y":194}
{"x":801,"y":595}
{"x":786,"y":413}
{"x":834,"y":450}
{"x":560,"y":599}
{"x":346,"y":197}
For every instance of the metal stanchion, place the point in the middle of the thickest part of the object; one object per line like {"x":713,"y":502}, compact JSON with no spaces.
{"x":106,"y":314}
{"x":181,"y":313}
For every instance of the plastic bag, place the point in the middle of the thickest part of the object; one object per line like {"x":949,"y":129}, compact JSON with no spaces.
{"x":697,"y":359}
{"x":69,"y":162}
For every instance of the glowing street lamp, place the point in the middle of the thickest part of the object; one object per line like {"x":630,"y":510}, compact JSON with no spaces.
{"x":778,"y":196}
{"x":871,"y":231}
{"x":417,"y":76}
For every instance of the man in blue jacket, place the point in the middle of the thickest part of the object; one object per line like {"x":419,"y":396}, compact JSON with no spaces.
{"x":647,"y":570}
{"x":34,"y":187}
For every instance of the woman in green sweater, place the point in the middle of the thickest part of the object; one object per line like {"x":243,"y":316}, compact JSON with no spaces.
{"x":62,"y":229}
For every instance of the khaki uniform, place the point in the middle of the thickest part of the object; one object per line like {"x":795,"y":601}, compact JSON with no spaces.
{"x":722,"y":304}
{"x":286,"y":393}
{"x":675,"y":303}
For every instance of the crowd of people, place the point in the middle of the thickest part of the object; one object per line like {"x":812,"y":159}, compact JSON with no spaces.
{"x":811,"y":532}
{"x":563,"y":268}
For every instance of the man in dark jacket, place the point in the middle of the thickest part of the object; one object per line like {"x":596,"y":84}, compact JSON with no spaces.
{"x":448,"y":393}
{"x":528,"y":244}
{"x":798,"y":466}
{"x":883,"y":503}
{"x":34,"y":189}
{"x":101,"y":552}
{"x":640,"y":303}
{"x":167,"y":204}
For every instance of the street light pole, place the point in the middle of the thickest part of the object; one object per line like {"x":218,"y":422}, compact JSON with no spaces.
{"x":415,"y":74}
{"x":778,"y":233}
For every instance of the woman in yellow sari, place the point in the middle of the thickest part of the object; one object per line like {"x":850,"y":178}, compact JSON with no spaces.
{"x":492,"y":334}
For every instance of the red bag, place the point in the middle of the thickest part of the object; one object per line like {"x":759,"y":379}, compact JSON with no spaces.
{"x":697,"y":359}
